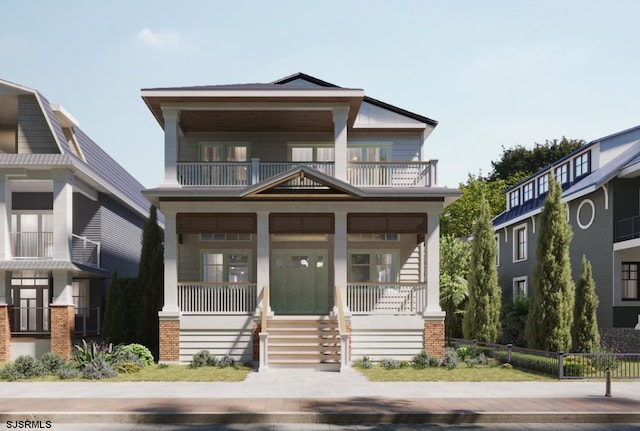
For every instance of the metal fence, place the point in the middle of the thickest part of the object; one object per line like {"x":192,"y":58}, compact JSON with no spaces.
{"x":559,"y":364}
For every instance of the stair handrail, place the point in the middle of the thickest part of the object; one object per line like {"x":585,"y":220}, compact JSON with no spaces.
{"x":345,"y":343}
{"x":342,"y":326}
{"x":265,"y":308}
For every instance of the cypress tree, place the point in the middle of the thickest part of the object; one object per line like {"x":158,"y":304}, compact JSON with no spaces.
{"x":482,"y":314}
{"x":551,"y":311}
{"x":151,"y":283}
{"x":111,"y":330}
{"x":586,"y":338}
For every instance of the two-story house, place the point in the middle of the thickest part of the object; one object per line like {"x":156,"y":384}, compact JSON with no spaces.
{"x":601,"y":188}
{"x":302,"y":224}
{"x":69,"y":216}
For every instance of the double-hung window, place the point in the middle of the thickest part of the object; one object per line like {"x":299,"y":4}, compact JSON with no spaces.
{"x":543,"y":184}
{"x":527,"y":192}
{"x":630,"y":281}
{"x":562,"y":173}
{"x":225,"y":266}
{"x":582,"y":165}
{"x":520,"y":243}
{"x":228,"y":163}
{"x":373,"y":266}
{"x":519,"y":287}
{"x":32,"y":235}
{"x":514,"y":198}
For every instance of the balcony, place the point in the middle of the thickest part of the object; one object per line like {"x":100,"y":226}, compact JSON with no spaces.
{"x":362,"y":174}
{"x":85,"y":251}
{"x":628,"y":228}
{"x":39,"y":246}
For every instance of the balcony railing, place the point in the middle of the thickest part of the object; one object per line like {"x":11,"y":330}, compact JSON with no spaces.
{"x":386,"y":298}
{"x":85,"y":251}
{"x":37,"y":320}
{"x":217,"y":298}
{"x":364,"y":174}
{"x":32,"y":245}
{"x":628,"y":228}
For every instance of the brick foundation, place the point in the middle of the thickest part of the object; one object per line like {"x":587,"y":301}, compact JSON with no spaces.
{"x":63,"y":325}
{"x":257,"y":327}
{"x":434,"y":337}
{"x":169,"y":340}
{"x":5,"y":333}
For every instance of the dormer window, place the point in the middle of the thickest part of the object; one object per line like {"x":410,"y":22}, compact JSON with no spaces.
{"x":562,"y":173}
{"x":582,"y":164}
{"x":514,"y":198}
{"x":527,"y":192}
{"x":543,"y":184}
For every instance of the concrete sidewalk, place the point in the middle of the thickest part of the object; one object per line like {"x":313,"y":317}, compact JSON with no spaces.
{"x":296,"y":396}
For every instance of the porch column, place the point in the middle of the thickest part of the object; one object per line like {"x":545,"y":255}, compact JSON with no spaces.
{"x":263,"y":264}
{"x":5,"y":218}
{"x":63,"y":314}
{"x":340,"y":251}
{"x":5,"y":326}
{"x":171,"y":118}
{"x":433,"y":315}
{"x":62,"y":214}
{"x":170,"y":314}
{"x":340,"y":141}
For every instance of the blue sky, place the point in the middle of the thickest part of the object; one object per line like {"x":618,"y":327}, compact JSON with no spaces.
{"x":492,"y":73}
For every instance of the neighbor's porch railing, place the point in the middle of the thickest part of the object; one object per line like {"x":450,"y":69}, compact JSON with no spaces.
{"x":217,"y":298}
{"x":32,"y":245}
{"x":365,"y":174}
{"x":386,"y":298}
{"x":85,"y":251}
{"x":628,"y":228}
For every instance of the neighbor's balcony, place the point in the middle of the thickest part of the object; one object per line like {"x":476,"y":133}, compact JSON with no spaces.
{"x":364,"y":174}
{"x":628,"y":228}
{"x":39,"y":246}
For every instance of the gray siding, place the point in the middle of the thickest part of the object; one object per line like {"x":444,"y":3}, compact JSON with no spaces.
{"x":120,"y":238}
{"x":508,"y":269}
{"x":86,"y":217}
{"x":625,"y":198}
{"x":34,"y":134}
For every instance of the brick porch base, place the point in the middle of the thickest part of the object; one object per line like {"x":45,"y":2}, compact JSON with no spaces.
{"x":5,"y":334}
{"x":434,"y":337}
{"x":63,"y":326}
{"x":169,"y":340}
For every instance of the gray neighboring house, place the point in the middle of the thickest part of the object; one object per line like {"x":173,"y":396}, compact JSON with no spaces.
{"x":69,"y":216}
{"x":601,"y":187}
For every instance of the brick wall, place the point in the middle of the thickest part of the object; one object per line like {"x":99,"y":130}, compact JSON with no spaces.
{"x":169,"y":340}
{"x":63,"y":322}
{"x":434,"y":337}
{"x":5,"y":334}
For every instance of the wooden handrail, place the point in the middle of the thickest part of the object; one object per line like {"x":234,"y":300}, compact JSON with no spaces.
{"x":342,"y":326}
{"x":265,"y":308}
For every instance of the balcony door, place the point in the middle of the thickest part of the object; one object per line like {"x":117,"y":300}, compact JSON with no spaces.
{"x":228,"y":163}
{"x":32,"y":235}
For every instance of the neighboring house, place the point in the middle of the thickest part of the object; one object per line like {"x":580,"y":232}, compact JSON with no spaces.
{"x":316,"y":194}
{"x":69,"y":216}
{"x":601,"y":186}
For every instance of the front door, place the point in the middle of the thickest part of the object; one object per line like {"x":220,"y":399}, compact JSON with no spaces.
{"x":299,"y":282}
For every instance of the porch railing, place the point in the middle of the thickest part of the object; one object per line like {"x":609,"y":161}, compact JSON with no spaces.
{"x":85,"y":251}
{"x":628,"y":228}
{"x":88,"y":321}
{"x":386,"y":298}
{"x":37,"y":320}
{"x":32,"y":245}
{"x":217,"y":298}
{"x":366,"y":174}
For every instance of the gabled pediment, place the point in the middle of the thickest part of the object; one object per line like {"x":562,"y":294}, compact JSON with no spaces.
{"x":302,"y":182}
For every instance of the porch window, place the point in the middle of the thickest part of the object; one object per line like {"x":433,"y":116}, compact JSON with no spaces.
{"x":373,"y":237}
{"x":311,"y":152}
{"x":369,"y":153}
{"x":32,"y":235}
{"x":81,"y":297}
{"x":225,"y":237}
{"x":225,"y":266}
{"x":373,"y":266}
{"x":224,"y":152}
{"x":231,"y":173}
{"x":630,"y":281}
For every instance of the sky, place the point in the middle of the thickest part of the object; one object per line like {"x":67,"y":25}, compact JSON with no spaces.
{"x":494,"y":74}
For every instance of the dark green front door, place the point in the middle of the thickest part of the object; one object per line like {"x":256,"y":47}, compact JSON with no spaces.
{"x":299,"y":282}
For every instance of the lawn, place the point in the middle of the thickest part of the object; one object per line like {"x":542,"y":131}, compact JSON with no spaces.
{"x":480,"y":373}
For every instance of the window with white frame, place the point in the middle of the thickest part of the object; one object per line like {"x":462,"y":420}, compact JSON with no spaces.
{"x":519,"y":287}
{"x":224,"y":152}
{"x":520,"y":243}
{"x":369,"y":152}
{"x":630,"y":281}
{"x":562,"y":173}
{"x":582,"y":165}
{"x":80,"y":294}
{"x":311,"y":152}
{"x":373,"y":237}
{"x":543,"y":184}
{"x":225,"y":237}
{"x":225,"y":266}
{"x":373,"y":266}
{"x":514,"y":198}
{"x":527,"y":191}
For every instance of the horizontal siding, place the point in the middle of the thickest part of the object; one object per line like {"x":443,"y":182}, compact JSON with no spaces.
{"x":34,"y":134}
{"x":235,"y":342}
{"x":381,"y":344}
{"x":121,"y":238}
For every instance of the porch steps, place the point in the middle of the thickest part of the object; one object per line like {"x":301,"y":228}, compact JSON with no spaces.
{"x":304,"y":341}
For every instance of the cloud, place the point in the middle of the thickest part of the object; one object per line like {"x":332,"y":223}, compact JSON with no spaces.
{"x":159,"y":39}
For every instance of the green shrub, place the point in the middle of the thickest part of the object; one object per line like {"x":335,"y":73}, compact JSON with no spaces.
{"x":390,"y":364}
{"x":162,"y":366}
{"x":68,"y":372}
{"x":28,"y":366}
{"x":573,"y":369}
{"x":363,"y":363}
{"x":140,"y":351}
{"x":98,"y":369}
{"x":481,"y":359}
{"x":450,"y":360}
{"x":225,"y":361}
{"x":87,"y":352}
{"x":465,"y":352}
{"x":424,"y":360}
{"x":203,"y":358}
{"x":506,"y":366}
{"x":11,"y":373}
{"x":51,"y":363}
{"x":127,"y":356}
{"x":128,"y":367}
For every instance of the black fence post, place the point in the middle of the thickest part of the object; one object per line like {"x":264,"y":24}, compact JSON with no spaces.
{"x":473,"y":345}
{"x":509,"y":347}
{"x":561,"y":365}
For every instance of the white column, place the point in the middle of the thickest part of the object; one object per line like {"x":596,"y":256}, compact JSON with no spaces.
{"x":5,"y":218}
{"x":432,"y":266}
{"x":262,"y":259}
{"x":340,"y":141}
{"x":340,"y":252}
{"x":170,"y":307}
{"x":62,"y":214}
{"x":171,"y":117}
{"x":5,"y":283}
{"x":62,"y":288}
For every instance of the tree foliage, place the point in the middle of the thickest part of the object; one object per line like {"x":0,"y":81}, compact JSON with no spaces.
{"x":482,"y":315}
{"x":455,"y":254}
{"x":458,"y":218}
{"x":121,"y":317}
{"x":520,"y":162}
{"x":514,"y":319}
{"x":551,"y":312}
{"x":111,"y":324}
{"x":586,"y":338}
{"x":151,"y":282}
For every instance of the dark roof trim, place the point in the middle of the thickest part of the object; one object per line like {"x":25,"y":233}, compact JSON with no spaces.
{"x":376,"y":102}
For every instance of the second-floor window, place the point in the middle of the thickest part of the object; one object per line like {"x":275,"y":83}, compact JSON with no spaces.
{"x":543,"y":184}
{"x":562,"y":173}
{"x":630,"y":281}
{"x":305,"y":152}
{"x":219,"y":152}
{"x":520,"y":243}
{"x":514,"y":198}
{"x":32,"y":235}
{"x":527,"y":192}
{"x":582,"y":164}
{"x":369,"y":153}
